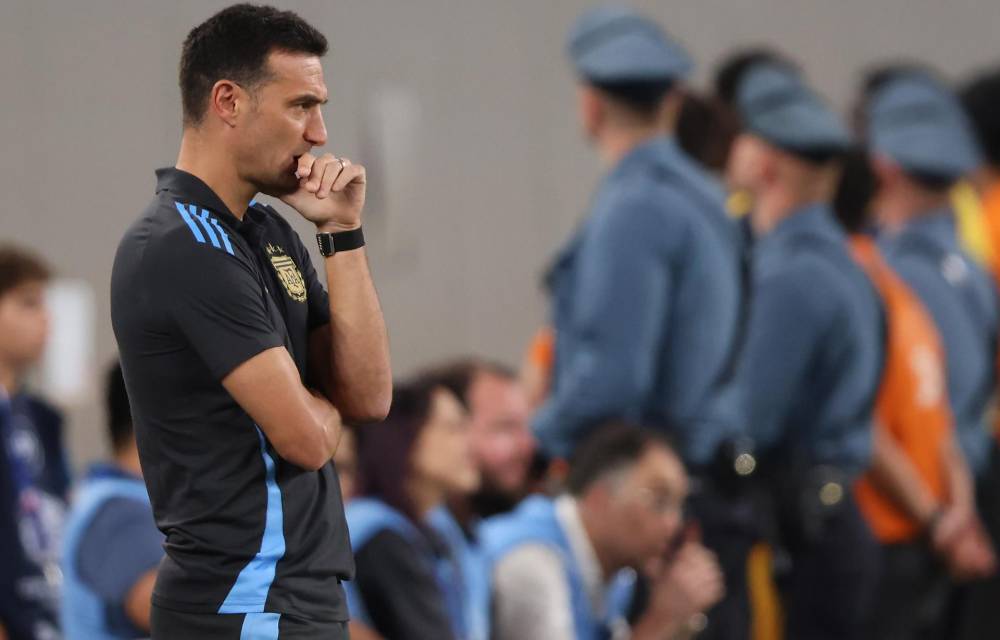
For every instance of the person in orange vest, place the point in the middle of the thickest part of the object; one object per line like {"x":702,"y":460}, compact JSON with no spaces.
{"x":921,"y":144}
{"x":917,"y":496}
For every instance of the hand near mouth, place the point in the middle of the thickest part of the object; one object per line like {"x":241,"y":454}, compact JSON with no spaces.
{"x":331,"y":192}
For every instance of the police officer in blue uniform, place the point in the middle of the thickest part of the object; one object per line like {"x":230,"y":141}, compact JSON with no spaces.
{"x":812,"y":361}
{"x":647,"y":295}
{"x":921,"y":144}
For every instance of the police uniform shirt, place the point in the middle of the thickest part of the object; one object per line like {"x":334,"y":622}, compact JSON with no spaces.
{"x":963,"y":302}
{"x":194,"y":293}
{"x":812,"y":361}
{"x":646,"y":304}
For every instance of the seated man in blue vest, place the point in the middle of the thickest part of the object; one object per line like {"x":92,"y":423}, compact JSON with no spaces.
{"x":112,"y":547}
{"x":563,"y":569}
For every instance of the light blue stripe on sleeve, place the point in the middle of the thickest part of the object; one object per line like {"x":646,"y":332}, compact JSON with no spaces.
{"x":249,"y":593}
{"x":190,"y":223}
{"x":260,"y":626}
{"x":224,"y":236}
{"x":203,"y":217}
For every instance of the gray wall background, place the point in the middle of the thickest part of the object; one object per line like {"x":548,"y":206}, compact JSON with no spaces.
{"x":463,"y":112}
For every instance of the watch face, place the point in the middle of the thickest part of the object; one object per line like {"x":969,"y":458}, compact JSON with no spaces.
{"x":325,"y":243}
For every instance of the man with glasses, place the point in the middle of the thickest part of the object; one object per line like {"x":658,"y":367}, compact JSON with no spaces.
{"x":565,"y":569}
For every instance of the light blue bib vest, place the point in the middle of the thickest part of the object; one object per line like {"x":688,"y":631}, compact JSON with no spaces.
{"x":535,"y":522}
{"x":83,"y":612}
{"x":461,"y":575}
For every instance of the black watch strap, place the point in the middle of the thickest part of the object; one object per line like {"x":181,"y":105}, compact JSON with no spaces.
{"x":331,"y":243}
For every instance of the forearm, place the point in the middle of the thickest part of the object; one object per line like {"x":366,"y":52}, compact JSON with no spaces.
{"x":329,"y":421}
{"x":895,"y":475}
{"x":361,"y":376}
{"x":960,"y":486}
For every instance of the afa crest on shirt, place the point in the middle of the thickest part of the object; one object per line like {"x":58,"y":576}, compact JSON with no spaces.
{"x":288,"y":273}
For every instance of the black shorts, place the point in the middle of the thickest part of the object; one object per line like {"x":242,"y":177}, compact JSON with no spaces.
{"x":168,"y":624}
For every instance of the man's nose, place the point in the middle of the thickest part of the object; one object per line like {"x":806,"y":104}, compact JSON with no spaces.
{"x":316,"y":130}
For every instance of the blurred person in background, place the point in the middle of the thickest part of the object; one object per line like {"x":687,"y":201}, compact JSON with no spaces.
{"x":408,"y":582}
{"x":917,"y":496}
{"x":981,"y":98}
{"x":725,"y":82}
{"x":34,"y":477}
{"x":112,"y":548}
{"x":502,"y":443}
{"x":565,"y":568}
{"x":813,"y":358}
{"x":921,"y":143}
{"x":705,"y":130}
{"x":503,"y":449}
{"x":648,"y":296}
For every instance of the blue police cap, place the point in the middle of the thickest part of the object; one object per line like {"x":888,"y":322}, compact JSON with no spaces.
{"x":777,"y":105}
{"x":616,"y":44}
{"x":918,"y":122}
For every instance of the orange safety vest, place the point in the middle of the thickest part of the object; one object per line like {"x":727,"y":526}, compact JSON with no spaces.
{"x":990,"y":204}
{"x":542,"y":350}
{"x":912,"y":404}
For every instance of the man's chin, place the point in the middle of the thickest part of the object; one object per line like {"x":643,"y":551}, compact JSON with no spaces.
{"x":280,"y":187}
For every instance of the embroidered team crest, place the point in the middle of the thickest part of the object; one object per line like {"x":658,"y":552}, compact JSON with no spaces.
{"x":288,"y":273}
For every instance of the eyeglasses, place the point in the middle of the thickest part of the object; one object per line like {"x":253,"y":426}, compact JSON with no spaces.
{"x":659,"y":502}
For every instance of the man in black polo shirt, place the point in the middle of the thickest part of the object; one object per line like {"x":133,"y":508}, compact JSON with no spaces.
{"x":239,"y":366}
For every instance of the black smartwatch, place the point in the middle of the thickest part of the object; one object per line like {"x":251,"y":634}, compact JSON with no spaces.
{"x":331,"y":243}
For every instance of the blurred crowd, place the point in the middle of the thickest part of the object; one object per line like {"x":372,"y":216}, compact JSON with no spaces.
{"x":763,"y":405}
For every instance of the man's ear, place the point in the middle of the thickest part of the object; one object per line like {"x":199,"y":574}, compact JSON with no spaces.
{"x":593,"y":110}
{"x":226,"y":101}
{"x":887,"y":171}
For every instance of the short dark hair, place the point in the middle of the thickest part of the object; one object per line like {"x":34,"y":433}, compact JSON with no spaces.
{"x":612,"y":447}
{"x":642,"y":99}
{"x":855,"y":191}
{"x":120,"y":429}
{"x":729,"y":73}
{"x":385,"y":449}
{"x":457,"y":376}
{"x":20,"y":266}
{"x":981,"y":99}
{"x":706,"y":130}
{"x":234,"y":44}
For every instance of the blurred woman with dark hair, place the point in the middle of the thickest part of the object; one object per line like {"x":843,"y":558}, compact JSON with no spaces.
{"x":409,"y":581}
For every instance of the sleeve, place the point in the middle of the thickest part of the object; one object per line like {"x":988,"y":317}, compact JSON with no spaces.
{"x":217,"y":303}
{"x":121,"y":545}
{"x":786,"y":324}
{"x":621,"y":299}
{"x":531,"y":600}
{"x":400,"y":594}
